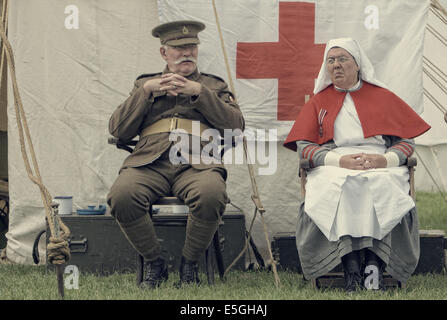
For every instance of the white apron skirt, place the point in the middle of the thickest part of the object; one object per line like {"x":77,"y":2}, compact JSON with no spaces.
{"x":359,"y":203}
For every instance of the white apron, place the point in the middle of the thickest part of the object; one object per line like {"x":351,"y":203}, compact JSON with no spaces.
{"x":358,"y":203}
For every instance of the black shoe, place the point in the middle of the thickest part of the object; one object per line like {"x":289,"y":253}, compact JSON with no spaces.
{"x":157,"y":273}
{"x":189,"y":272}
{"x":373,"y":277}
{"x":353,"y":281}
{"x":351,"y":269}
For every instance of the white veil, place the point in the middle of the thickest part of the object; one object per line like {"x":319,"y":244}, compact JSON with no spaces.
{"x":353,"y":47}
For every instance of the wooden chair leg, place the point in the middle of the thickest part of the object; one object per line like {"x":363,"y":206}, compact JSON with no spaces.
{"x":209,"y":266}
{"x":314,"y":283}
{"x":218,"y":254}
{"x":140,"y":268}
{"x":219,"y":259}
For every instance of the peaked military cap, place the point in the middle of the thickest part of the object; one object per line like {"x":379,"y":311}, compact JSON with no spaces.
{"x":178,"y":33}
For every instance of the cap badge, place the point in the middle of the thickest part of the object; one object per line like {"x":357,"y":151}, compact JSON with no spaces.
{"x":185,"y":30}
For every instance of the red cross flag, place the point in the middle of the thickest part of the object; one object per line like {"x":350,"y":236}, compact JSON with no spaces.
{"x":275,"y":48}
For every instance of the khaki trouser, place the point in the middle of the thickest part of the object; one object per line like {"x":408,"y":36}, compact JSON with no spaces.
{"x":203,"y":191}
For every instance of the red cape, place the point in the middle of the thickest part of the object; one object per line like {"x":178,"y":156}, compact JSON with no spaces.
{"x":380,"y":111}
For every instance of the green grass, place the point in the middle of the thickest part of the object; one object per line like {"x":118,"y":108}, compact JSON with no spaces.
{"x":36,"y":283}
{"x":18,"y":282}
{"x":432,"y":210}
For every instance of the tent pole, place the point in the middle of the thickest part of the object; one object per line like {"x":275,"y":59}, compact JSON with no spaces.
{"x":255,"y":196}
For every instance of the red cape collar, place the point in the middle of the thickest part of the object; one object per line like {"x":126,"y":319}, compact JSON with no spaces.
{"x":380,"y":111}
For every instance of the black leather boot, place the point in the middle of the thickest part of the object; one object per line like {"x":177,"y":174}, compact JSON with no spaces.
{"x":189,"y":272}
{"x":157,"y":273}
{"x":353,"y":281}
{"x":351,"y":269}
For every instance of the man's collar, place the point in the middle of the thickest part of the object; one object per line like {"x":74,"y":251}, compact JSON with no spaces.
{"x":193,"y":76}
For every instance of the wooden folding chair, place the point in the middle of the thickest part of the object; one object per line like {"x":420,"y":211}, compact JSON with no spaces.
{"x":335,"y":277}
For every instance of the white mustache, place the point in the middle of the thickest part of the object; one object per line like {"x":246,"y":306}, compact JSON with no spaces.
{"x":183,"y":59}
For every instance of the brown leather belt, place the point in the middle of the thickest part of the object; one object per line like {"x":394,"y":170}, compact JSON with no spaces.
{"x":170,"y":124}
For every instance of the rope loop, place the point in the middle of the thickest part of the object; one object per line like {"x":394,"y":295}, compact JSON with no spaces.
{"x":58,"y":250}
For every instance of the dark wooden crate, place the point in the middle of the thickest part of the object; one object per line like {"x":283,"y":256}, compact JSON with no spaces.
{"x":431,"y":260}
{"x":285,"y":252}
{"x":336,"y":280}
{"x":98,"y":245}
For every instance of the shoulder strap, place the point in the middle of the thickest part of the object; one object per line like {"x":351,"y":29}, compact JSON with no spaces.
{"x":212,"y":76}
{"x":147,"y":75}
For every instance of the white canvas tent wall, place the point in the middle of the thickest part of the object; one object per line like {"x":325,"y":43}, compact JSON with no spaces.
{"x":71,"y":79}
{"x":432,"y":147}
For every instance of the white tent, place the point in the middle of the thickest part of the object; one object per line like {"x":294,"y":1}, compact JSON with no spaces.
{"x":77,"y":60}
{"x":431,"y":150}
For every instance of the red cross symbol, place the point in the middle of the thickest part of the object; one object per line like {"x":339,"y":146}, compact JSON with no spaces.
{"x":294,"y":60}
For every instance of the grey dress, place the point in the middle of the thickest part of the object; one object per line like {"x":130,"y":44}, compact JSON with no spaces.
{"x":399,"y":250}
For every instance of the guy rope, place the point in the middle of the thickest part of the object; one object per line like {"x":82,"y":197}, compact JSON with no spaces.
{"x":255,"y":196}
{"x":58,"y":251}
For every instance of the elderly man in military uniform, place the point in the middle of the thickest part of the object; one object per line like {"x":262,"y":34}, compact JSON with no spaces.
{"x":159,"y":103}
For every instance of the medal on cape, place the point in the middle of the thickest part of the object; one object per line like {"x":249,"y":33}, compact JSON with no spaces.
{"x":321,"y":115}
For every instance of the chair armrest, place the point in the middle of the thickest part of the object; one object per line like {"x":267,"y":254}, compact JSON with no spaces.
{"x":303,"y":167}
{"x":116,"y":141}
{"x":412,"y":162}
{"x":120,"y":144}
{"x":225,"y":145}
{"x":304,"y":164}
{"x":112,"y":140}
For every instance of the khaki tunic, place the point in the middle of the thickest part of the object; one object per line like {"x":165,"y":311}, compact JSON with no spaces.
{"x":215,"y":107}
